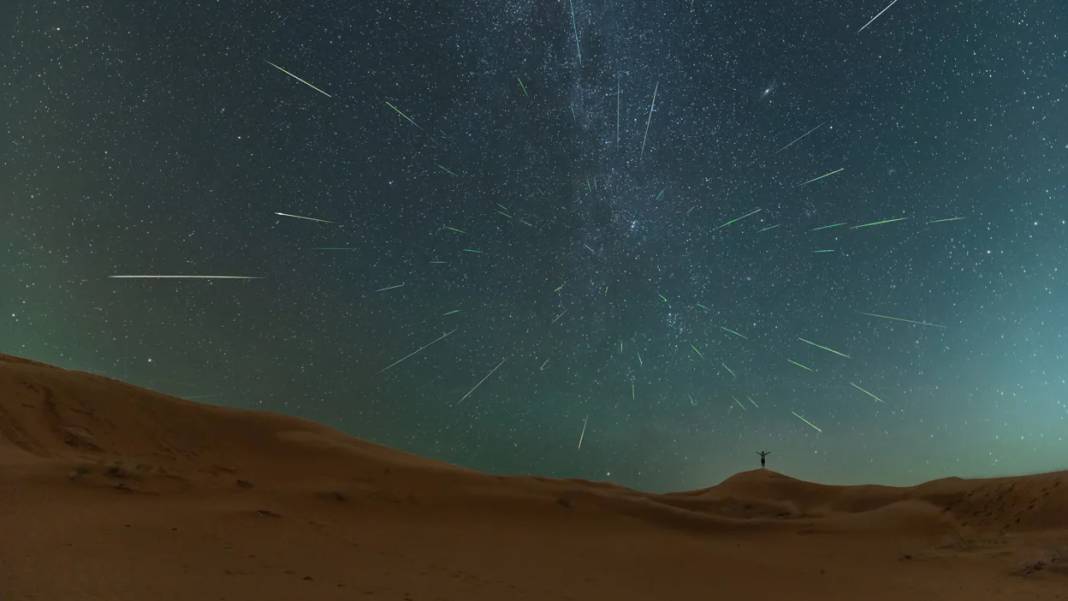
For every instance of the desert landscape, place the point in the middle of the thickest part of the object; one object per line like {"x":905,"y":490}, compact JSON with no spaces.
{"x":109,"y":491}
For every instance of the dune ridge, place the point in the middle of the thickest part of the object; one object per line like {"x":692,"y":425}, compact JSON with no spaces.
{"x":113,"y":490}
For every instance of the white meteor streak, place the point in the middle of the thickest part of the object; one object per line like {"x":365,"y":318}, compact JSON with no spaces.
{"x":575,"y":29}
{"x":814,"y":426}
{"x":183,"y":277}
{"x":484,"y":378}
{"x":416,"y":351}
{"x":583,"y":435}
{"x":291,"y":216}
{"x":298,"y":79}
{"x":867,"y":393}
{"x":801,"y":137}
{"x":877,"y":16}
{"x":649,"y":120}
{"x":816,"y":179}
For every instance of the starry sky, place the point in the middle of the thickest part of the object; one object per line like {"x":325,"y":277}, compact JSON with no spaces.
{"x":540,"y":222}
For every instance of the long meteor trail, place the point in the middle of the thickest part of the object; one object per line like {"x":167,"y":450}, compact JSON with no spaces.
{"x":484,"y":378}
{"x":291,"y":216}
{"x":737,"y":219}
{"x":874,"y":223}
{"x":184,"y":277}
{"x":877,"y":16}
{"x":902,"y":319}
{"x":583,"y":435}
{"x":401,"y":113}
{"x":814,"y":426}
{"x":575,"y":29}
{"x":298,"y":79}
{"x":649,"y":120}
{"x":826,"y":348}
{"x":738,"y":334}
{"x":946,"y":220}
{"x":867,"y":393}
{"x":416,"y":351}
{"x":816,"y":179}
{"x":801,"y":137}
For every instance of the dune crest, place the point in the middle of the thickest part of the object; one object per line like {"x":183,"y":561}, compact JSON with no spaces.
{"x":118,"y":492}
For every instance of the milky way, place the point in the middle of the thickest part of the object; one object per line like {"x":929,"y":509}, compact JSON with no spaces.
{"x":469,"y":231}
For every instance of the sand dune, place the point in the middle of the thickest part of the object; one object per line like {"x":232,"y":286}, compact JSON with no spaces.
{"x":109,"y":491}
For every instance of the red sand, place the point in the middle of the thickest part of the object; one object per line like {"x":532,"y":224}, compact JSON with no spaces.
{"x":108,"y":491}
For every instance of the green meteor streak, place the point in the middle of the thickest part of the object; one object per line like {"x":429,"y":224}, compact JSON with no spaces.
{"x":867,"y":393}
{"x":473,"y":251}
{"x":824,"y":251}
{"x":816,"y":179}
{"x":401,"y":113}
{"x":696,"y":350}
{"x":733,"y":332}
{"x":453,"y":229}
{"x":948,"y":219}
{"x":919,"y":323}
{"x":802,"y":366}
{"x":814,"y":426}
{"x":446,"y":169}
{"x":662,"y":297}
{"x":827,"y":227}
{"x":874,"y":223}
{"x":737,"y":219}
{"x":826,"y":348}
{"x":521,"y":86}
{"x":769,"y":228}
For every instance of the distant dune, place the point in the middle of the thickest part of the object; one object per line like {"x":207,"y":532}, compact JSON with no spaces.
{"x":109,"y":491}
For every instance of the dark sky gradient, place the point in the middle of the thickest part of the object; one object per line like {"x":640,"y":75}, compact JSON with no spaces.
{"x":154,"y":138}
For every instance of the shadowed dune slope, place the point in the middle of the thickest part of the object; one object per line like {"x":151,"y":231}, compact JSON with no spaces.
{"x":111,"y":491}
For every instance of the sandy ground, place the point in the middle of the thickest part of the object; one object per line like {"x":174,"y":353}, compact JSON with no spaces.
{"x":109,"y":491}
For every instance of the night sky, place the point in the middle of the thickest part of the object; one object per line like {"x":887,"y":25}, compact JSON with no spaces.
{"x":499,"y":193}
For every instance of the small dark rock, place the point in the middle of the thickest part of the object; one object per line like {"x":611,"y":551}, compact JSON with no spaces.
{"x":565,"y":502}
{"x":116,"y":471}
{"x":244,"y":484}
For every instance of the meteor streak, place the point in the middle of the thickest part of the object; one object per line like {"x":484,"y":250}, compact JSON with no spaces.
{"x":291,"y":216}
{"x":877,"y":16}
{"x":826,"y":348}
{"x":874,"y":223}
{"x":416,"y":351}
{"x":401,"y":113}
{"x":867,"y":393}
{"x":814,"y":426}
{"x":648,"y":121}
{"x":183,"y":277}
{"x":816,"y":179}
{"x":919,"y":323}
{"x":801,"y":137}
{"x":484,"y":378}
{"x":298,"y":79}
{"x":737,"y":219}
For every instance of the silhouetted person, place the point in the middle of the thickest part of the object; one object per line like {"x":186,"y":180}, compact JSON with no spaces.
{"x":763,"y":454}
